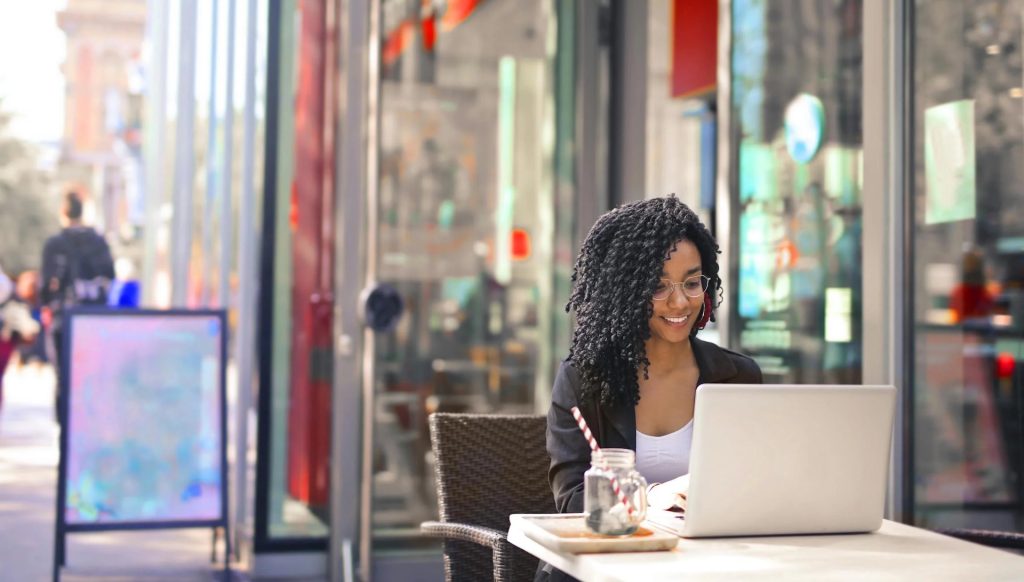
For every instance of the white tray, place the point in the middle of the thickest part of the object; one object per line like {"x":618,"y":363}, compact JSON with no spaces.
{"x":567,"y":532}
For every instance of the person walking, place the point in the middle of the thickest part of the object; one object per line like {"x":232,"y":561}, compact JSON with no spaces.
{"x":6,"y":345}
{"x":16,"y":325}
{"x":77,"y":270}
{"x":26,"y":291}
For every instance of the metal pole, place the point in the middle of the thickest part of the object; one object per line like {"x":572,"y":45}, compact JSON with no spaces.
{"x":592,"y":192}
{"x":227,"y":168}
{"x":184,"y":158}
{"x":346,"y":415}
{"x":627,"y":144}
{"x":725,"y":175}
{"x":883,"y":252}
{"x":247,"y":279}
{"x":211,"y":162}
{"x":372,"y":122}
{"x":355,"y":212}
{"x":156,"y":111}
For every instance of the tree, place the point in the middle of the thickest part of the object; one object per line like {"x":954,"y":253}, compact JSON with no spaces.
{"x":27,"y":214}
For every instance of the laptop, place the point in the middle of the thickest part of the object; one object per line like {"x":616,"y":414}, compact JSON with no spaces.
{"x":786,"y":459}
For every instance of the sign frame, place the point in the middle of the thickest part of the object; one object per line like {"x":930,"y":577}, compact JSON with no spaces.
{"x":62,"y":526}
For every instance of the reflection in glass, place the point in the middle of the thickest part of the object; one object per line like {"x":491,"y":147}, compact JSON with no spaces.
{"x":299,"y":383}
{"x":968,"y":265}
{"x":466,"y":231}
{"x":796,"y":99}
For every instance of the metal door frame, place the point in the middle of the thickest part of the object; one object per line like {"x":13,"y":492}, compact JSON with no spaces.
{"x":355,"y":256}
{"x":885,"y":259}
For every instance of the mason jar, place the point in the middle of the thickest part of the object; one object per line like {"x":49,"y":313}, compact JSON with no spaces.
{"x":603,"y":508}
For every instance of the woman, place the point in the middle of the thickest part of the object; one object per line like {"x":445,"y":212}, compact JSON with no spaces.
{"x":16,"y":325}
{"x":26,"y":290}
{"x":646,"y":280}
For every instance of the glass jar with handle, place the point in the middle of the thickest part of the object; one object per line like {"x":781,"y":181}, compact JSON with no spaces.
{"x":614,"y":493}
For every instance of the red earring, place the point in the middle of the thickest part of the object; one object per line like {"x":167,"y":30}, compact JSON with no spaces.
{"x":705,"y":312}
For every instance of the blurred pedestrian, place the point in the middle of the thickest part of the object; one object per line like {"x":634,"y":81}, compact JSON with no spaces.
{"x":970,"y":297}
{"x":6,"y":286}
{"x":6,"y":347}
{"x":26,"y":288}
{"x":77,"y":270}
{"x":16,"y":325}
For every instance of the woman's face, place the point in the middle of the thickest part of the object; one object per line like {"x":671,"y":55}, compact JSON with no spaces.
{"x":27,"y":284}
{"x":675,"y":316}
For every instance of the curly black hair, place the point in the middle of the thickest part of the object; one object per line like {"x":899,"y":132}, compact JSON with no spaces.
{"x":614,"y":279}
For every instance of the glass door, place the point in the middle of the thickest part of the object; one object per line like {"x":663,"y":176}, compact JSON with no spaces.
{"x":292,"y":486}
{"x":797,"y":142}
{"x":967,"y":334}
{"x":466,"y":223}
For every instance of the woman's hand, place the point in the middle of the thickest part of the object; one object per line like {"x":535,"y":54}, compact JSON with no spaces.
{"x":670,"y":495}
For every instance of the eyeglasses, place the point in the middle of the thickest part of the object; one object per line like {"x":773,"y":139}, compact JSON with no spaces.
{"x":693,"y":287}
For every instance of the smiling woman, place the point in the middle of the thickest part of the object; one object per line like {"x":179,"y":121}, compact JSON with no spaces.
{"x":679,"y":313}
{"x":621,"y":312}
{"x":646,"y":282}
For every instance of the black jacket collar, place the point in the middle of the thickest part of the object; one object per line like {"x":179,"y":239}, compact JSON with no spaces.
{"x":714,"y":365}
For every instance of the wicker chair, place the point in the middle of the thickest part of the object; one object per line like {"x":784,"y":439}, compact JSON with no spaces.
{"x":488,"y":467}
{"x":1007,"y":540}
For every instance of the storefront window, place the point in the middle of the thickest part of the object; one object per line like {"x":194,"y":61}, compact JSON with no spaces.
{"x":968,"y":263}
{"x":467,"y":224}
{"x":296,"y":452}
{"x":796,"y":110}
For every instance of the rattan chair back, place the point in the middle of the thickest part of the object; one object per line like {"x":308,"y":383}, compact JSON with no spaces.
{"x":488,"y":467}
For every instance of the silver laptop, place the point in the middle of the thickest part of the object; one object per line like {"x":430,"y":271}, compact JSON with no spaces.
{"x":786,"y":459}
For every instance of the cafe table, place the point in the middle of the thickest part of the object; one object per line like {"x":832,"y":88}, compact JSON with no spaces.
{"x":894,"y":552}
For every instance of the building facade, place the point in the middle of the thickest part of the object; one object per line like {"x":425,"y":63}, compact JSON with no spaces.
{"x":101,"y":153}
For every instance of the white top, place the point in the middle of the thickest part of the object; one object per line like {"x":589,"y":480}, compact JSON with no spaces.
{"x":663,"y":458}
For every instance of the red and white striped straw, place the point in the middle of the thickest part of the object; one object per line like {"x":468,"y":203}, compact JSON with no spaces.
{"x":595,"y":448}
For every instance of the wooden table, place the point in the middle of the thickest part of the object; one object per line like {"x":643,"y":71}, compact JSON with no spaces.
{"x":894,"y":552}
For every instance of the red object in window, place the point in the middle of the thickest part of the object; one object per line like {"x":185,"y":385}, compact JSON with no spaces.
{"x":694,"y":47}
{"x":458,"y":11}
{"x":395,"y":42}
{"x":969,"y":300}
{"x":310,"y":265}
{"x":1005,"y":364}
{"x":520,"y":244}
{"x":293,"y":207}
{"x":786,"y":254}
{"x":428,"y":26}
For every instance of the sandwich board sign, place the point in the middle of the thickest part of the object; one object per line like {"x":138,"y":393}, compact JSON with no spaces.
{"x":142,"y":403}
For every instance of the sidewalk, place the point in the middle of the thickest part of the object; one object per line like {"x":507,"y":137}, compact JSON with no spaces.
{"x":28,"y":472}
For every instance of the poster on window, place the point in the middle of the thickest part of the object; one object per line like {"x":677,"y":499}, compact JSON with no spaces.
{"x":949,"y":162}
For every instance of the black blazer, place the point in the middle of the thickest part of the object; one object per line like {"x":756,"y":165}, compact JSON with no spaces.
{"x":615,"y":427}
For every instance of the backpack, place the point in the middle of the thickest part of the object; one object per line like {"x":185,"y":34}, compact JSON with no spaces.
{"x":89,"y":269}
